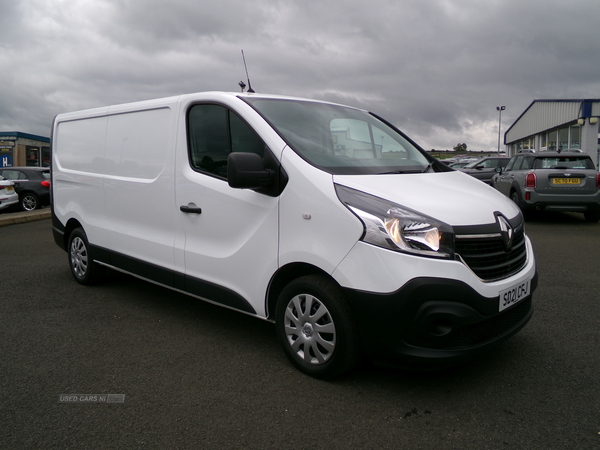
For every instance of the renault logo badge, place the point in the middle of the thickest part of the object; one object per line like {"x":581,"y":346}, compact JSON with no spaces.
{"x":506,"y":231}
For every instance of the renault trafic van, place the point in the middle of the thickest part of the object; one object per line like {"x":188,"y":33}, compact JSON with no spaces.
{"x":322,"y":218}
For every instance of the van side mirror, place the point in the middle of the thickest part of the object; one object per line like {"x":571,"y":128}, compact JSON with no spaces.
{"x":247,"y":171}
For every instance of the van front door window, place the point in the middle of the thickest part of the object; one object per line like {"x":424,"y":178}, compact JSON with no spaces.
{"x":213,"y":132}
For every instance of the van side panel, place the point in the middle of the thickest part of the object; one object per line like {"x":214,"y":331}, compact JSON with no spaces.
{"x":78,"y":166}
{"x":139,"y":185}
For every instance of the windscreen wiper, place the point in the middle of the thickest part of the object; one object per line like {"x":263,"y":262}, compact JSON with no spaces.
{"x":393,"y":172}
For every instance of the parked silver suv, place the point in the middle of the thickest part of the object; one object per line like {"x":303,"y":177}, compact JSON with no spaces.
{"x":552,"y":181}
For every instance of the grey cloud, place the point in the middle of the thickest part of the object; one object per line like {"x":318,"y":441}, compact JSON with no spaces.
{"x":437,"y":69}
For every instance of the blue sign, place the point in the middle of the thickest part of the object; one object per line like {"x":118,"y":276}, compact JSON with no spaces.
{"x":5,"y":161}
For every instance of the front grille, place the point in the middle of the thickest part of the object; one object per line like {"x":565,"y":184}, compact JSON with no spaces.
{"x":491,"y":329}
{"x":487,"y":257}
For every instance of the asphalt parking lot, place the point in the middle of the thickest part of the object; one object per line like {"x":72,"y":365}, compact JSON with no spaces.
{"x":186,"y":374}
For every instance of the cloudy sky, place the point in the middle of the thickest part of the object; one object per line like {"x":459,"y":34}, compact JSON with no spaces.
{"x":435,"y":68}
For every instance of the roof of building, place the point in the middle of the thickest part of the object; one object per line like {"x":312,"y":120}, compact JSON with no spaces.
{"x":545,"y":114}
{"x":18,"y":134}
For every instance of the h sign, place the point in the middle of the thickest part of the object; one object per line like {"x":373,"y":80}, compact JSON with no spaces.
{"x":6,"y":161}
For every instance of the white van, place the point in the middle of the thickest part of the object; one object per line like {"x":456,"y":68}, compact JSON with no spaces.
{"x":322,"y":218}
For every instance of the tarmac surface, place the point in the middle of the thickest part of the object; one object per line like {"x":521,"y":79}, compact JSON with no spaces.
{"x":185,"y":374}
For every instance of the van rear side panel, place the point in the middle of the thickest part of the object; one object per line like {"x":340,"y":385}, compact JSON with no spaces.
{"x":78,"y":173}
{"x":138,"y":185}
{"x":113,"y":173}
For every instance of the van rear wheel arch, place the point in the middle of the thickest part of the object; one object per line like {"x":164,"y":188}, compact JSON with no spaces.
{"x":68,"y":229}
{"x":81,"y":258}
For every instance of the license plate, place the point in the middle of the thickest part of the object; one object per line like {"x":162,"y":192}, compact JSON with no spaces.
{"x":514,"y":295}
{"x":9,"y":188}
{"x":565,"y":180}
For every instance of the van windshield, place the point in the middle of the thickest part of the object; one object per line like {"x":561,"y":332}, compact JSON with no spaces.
{"x":340,"y":140}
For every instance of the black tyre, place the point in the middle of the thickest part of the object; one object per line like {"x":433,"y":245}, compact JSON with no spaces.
{"x":514,"y":196}
{"x":81,"y":262}
{"x":592,"y":216}
{"x":315,"y":327}
{"x":29,"y":202}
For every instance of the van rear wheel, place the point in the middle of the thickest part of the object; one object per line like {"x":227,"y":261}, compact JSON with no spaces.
{"x":81,"y":262}
{"x":315,"y":327}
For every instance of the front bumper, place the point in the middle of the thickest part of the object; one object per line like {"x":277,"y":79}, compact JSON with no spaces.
{"x":434,"y":322}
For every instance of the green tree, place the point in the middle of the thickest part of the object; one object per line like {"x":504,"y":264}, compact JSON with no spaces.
{"x":460,"y":147}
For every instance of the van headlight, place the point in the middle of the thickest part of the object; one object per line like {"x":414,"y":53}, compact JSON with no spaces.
{"x":397,"y":227}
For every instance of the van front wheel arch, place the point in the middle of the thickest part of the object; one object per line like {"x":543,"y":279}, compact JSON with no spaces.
{"x":315,"y":327}
{"x":81,"y":261}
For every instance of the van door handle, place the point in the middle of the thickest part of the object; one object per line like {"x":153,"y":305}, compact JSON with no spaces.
{"x":191,"y":209}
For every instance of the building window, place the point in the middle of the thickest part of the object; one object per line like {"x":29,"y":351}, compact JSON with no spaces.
{"x":46,"y":157}
{"x":543,"y":141}
{"x":563,"y":138}
{"x":552,"y":138}
{"x":32,"y":155}
{"x":575,"y":133}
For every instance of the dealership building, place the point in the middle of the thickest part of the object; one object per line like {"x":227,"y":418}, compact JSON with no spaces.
{"x":551,"y":125}
{"x":22,"y":149}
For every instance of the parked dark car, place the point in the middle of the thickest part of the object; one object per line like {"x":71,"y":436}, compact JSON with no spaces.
{"x":461,"y":164}
{"x":485,"y":168}
{"x":32,"y":184}
{"x":552,"y":181}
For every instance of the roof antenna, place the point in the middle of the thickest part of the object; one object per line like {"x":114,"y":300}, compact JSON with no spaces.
{"x":241,"y":83}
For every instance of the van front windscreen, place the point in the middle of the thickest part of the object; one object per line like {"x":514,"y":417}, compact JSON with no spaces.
{"x":340,"y":140}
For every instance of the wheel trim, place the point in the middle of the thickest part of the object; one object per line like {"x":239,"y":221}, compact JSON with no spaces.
{"x":79,"y":257}
{"x":309,"y":329}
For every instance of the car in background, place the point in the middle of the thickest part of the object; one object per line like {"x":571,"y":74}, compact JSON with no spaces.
{"x":460,"y":164}
{"x":8,"y":195}
{"x":484,"y":169}
{"x":460,"y":160}
{"x":32,"y":185}
{"x":552,"y":181}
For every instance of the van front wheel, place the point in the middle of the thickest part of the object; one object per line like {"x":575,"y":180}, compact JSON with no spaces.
{"x":81,"y":263}
{"x":315,"y":327}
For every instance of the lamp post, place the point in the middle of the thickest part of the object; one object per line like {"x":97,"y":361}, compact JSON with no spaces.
{"x":499,"y":109}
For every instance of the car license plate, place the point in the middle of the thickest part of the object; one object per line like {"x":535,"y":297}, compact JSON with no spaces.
{"x":514,"y":294}
{"x":565,"y":180}
{"x":9,"y":188}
